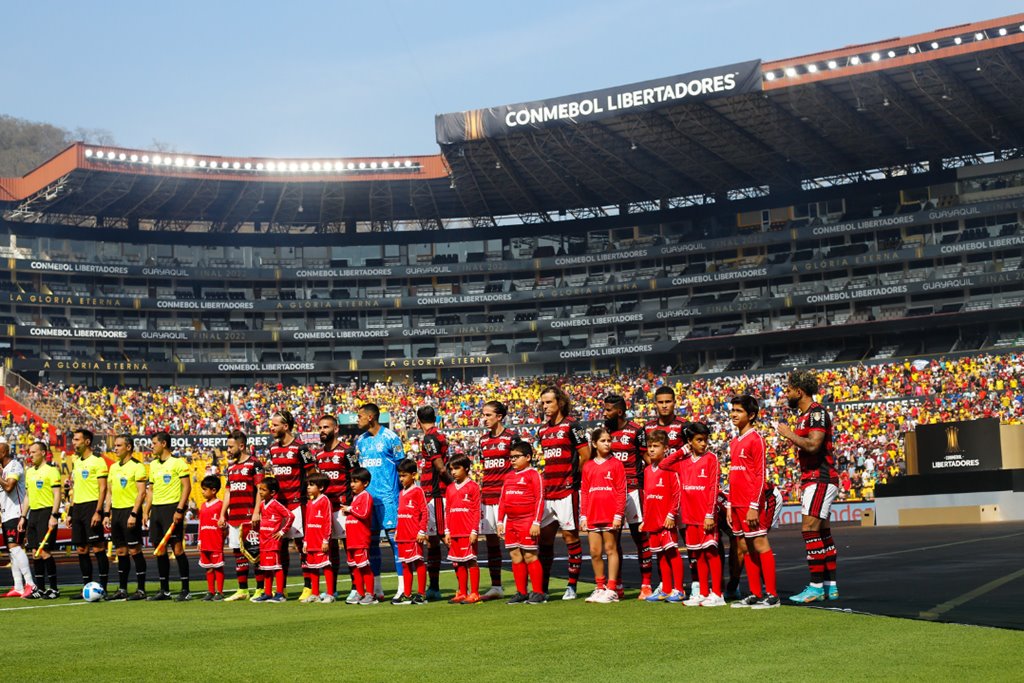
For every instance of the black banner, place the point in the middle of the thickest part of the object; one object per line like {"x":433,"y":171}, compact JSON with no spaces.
{"x":599,"y":104}
{"x":959,"y":446}
{"x":549,"y":263}
{"x":298,"y":367}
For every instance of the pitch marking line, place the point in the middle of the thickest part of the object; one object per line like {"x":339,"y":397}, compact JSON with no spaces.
{"x":937,"y":611}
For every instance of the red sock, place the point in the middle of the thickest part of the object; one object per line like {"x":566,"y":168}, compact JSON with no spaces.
{"x":519,"y":576}
{"x":768,"y":571}
{"x":268,"y":585}
{"x":474,"y":578}
{"x":750,"y":561}
{"x":357,"y":581}
{"x":612,"y":585}
{"x":406,"y":579}
{"x":677,"y":570}
{"x":314,"y":582}
{"x":715,"y":566}
{"x":329,"y":578}
{"x":536,"y":572}
{"x":665,"y":569}
{"x":209,"y":581}
{"x":218,"y":580}
{"x":460,"y":575}
{"x":421,"y":577}
{"x":600,"y":582}
{"x":702,"y":571}
{"x":279,"y":576}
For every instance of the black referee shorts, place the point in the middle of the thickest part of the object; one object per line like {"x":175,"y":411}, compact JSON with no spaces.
{"x":83,"y":531}
{"x":36,"y":527}
{"x":121,"y":534}
{"x":161,"y":517}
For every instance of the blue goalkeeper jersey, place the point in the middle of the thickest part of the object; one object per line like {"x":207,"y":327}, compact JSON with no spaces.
{"x":380,"y":455}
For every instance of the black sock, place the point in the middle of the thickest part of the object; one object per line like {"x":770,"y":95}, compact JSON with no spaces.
{"x":51,"y":569}
{"x":39,"y":573}
{"x":140,"y":570}
{"x":85,"y":564}
{"x":163,"y":570}
{"x":103,"y":567}
{"x":546,"y":556}
{"x":183,"y":570}
{"x":123,"y":566}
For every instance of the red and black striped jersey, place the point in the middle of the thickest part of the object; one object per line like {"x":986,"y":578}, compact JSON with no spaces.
{"x":628,"y":445}
{"x":243,"y":480}
{"x":434,"y":448}
{"x":497,"y":463}
{"x":289,"y":465}
{"x":820,"y":466}
{"x":674,"y":429}
{"x":560,"y":444}
{"x":336,"y":464}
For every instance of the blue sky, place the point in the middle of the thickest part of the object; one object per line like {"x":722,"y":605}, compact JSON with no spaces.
{"x":319,"y":78}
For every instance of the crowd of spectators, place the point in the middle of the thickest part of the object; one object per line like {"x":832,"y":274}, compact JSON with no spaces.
{"x":872,"y":406}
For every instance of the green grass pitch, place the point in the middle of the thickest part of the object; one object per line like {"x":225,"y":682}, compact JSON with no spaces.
{"x":563,"y":641}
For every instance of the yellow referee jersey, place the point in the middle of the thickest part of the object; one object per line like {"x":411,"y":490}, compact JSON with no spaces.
{"x":123,"y":482}
{"x":86,"y":475}
{"x":40,"y":482}
{"x":165,"y":479}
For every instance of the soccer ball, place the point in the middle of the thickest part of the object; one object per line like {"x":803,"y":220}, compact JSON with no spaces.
{"x":93,"y":592}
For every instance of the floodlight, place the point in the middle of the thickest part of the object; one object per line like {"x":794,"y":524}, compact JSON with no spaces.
{"x":875,"y":56}
{"x":855,"y":60}
{"x":812,"y":68}
{"x":88,"y":153}
{"x":833,"y":64}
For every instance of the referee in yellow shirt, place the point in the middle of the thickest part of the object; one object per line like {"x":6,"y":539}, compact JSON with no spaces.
{"x":40,"y":513}
{"x":166,"y":504}
{"x":88,"y":491}
{"x":126,"y":492}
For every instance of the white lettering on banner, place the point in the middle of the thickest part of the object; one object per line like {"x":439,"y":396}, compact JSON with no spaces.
{"x":600,"y":258}
{"x":341,"y":334}
{"x":984,"y":245}
{"x":78,"y":334}
{"x":865,"y":293}
{"x":682,"y":248}
{"x":720,"y":277}
{"x":610,"y":351}
{"x":462,"y":299}
{"x":622,"y":100}
{"x":264,"y":367}
{"x":841,"y":512}
{"x":344,"y":272}
{"x":78,"y":268}
{"x":601,"y":320}
{"x":166,"y":272}
{"x":868,"y":224}
{"x":681,"y":313}
{"x":205,"y":305}
{"x":170,"y":336}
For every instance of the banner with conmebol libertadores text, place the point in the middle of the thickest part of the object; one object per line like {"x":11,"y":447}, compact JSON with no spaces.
{"x":595,"y":105}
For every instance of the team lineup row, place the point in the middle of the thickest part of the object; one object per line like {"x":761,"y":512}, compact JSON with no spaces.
{"x":657,"y":480}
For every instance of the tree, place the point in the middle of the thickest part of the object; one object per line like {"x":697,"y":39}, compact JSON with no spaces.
{"x":24,"y":145}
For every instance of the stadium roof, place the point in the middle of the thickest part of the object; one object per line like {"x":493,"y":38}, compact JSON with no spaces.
{"x":741,"y":131}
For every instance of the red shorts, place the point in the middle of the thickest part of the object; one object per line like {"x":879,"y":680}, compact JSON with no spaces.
{"x":270,"y":560}
{"x":211,"y":560}
{"x":357,"y":557}
{"x":461,"y":550}
{"x":740,"y":527}
{"x":517,"y":534}
{"x":662,"y":539}
{"x":317,"y":559}
{"x":698,"y":539}
{"x":409,"y":551}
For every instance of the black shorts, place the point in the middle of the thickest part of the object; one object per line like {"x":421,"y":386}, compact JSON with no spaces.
{"x":160,"y":519}
{"x":83,"y":532}
{"x":11,"y":535}
{"x":36,"y":528}
{"x":121,"y":534}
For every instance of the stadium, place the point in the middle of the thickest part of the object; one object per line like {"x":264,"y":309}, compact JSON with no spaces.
{"x":856,"y":213}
